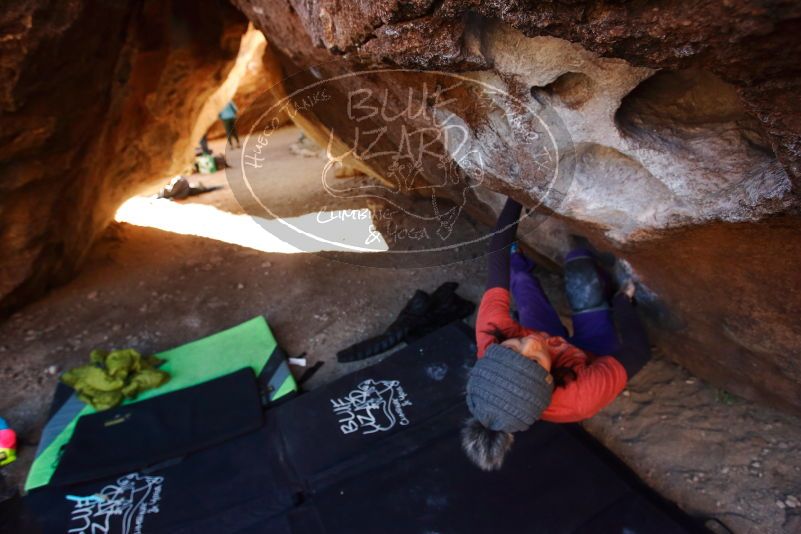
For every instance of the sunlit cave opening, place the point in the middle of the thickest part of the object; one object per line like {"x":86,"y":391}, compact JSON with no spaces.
{"x":245,"y":230}
{"x":306,"y":222}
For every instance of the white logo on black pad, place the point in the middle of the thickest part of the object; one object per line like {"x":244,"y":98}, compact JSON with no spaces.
{"x":374,"y":406}
{"x":119,"y":507}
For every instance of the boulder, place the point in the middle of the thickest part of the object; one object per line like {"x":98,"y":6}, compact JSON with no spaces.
{"x":679,"y":123}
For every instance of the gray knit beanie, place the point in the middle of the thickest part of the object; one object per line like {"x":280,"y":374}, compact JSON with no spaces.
{"x":507,"y":391}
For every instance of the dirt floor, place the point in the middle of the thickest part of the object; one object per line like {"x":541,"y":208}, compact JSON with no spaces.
{"x":152,"y":289}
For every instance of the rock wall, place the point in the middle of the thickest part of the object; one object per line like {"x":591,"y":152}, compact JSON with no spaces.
{"x":96,"y":99}
{"x":684,"y":121}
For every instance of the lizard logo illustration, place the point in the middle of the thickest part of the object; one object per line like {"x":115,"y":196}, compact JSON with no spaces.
{"x":436,"y":160}
{"x":119,"y":507}
{"x":374,"y":406}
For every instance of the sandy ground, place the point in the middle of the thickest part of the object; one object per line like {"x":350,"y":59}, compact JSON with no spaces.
{"x":152,"y":289}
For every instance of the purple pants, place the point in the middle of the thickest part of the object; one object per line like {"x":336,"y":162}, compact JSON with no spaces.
{"x":593,"y":331}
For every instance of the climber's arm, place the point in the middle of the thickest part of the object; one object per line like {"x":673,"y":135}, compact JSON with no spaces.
{"x":493,"y":321}
{"x":503,"y":236}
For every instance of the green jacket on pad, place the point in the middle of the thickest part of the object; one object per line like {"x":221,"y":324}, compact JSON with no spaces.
{"x":112,"y":376}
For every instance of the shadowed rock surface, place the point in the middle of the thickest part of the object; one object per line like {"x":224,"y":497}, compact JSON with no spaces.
{"x":97,"y":99}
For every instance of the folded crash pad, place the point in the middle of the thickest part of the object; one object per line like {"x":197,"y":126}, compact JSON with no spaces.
{"x":167,"y":426}
{"x":218,"y":489}
{"x":375,"y":451}
{"x":250,"y":344}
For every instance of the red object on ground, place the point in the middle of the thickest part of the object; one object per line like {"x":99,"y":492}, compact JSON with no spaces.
{"x":8,"y":445}
{"x":8,"y":439}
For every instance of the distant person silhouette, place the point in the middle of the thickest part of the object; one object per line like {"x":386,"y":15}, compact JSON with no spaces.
{"x":228,"y":117}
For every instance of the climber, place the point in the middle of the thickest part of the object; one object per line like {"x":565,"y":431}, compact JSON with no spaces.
{"x":532,"y":369}
{"x":228,"y":117}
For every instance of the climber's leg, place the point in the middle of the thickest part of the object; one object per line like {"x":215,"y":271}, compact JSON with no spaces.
{"x":588,"y":289}
{"x":534,"y":309}
{"x":229,"y":130}
{"x":594,"y":331}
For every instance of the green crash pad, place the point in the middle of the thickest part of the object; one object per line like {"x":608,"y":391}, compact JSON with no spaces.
{"x":250,"y":344}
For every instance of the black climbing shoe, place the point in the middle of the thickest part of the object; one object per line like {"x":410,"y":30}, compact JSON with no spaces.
{"x":586,"y":285}
{"x":446,"y":307}
{"x":423,"y":314}
{"x":410,"y":316}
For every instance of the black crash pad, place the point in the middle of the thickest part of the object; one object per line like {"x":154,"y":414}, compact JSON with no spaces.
{"x":160,"y":428}
{"x":375,"y":451}
{"x":363,"y":470}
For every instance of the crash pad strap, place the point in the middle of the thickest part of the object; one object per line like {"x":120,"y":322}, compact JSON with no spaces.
{"x":60,"y":418}
{"x":249,"y":344}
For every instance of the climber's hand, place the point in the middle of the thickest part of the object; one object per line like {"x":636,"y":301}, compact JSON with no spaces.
{"x":629,"y":289}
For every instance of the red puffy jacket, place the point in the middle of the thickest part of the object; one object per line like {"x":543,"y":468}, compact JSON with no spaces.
{"x":598,"y":379}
